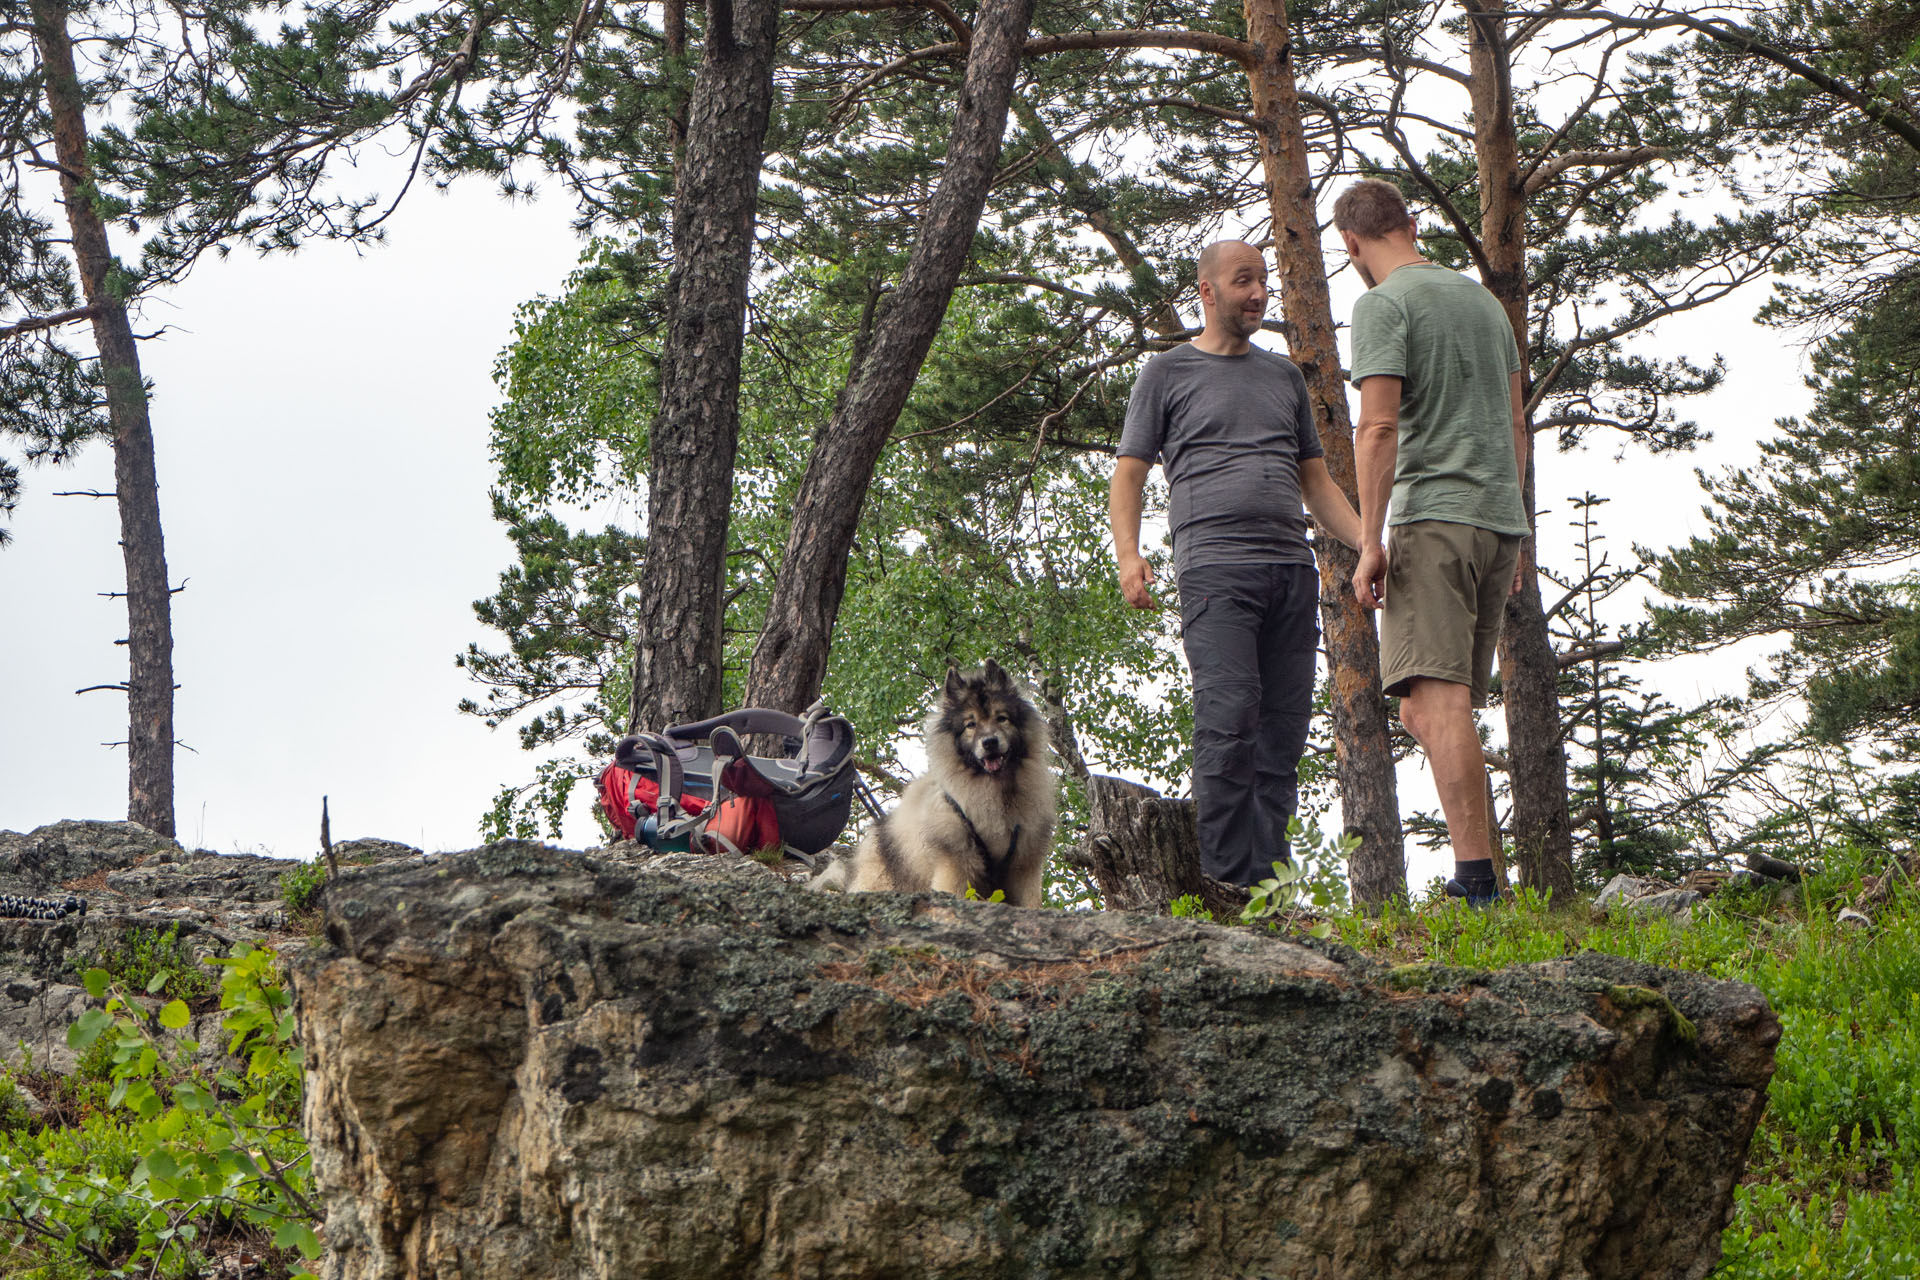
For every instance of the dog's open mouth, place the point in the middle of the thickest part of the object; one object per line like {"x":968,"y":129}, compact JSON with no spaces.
{"x":993,"y":764}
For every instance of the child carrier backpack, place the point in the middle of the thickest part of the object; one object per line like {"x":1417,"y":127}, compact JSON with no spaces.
{"x":694,"y":786}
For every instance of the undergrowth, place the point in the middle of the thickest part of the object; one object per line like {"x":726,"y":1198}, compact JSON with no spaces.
{"x":151,"y":1158}
{"x":1832,"y":1189}
{"x":143,"y":955}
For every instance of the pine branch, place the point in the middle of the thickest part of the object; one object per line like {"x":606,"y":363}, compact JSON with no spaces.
{"x":34,"y":324}
{"x":1620,"y":162}
{"x":939,"y":8}
{"x":1126,"y":38}
{"x":1747,"y":41}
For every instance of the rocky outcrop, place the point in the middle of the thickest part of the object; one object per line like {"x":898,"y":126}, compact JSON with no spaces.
{"x":524,"y":1062}
{"x":133,"y":881}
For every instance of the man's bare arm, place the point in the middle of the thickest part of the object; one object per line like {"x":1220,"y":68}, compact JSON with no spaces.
{"x":1329,"y":506}
{"x":1522,"y":444}
{"x":1124,"y":499}
{"x":1376,"y":444}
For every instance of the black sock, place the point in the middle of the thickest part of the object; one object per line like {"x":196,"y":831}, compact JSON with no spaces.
{"x":1477,"y":874}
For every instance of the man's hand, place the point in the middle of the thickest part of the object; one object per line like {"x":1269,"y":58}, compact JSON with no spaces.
{"x":1520,"y":571}
{"x":1370,"y":577}
{"x":1135,"y":574}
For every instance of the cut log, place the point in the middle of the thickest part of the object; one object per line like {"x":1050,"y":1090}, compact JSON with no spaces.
{"x":1143,"y":850}
{"x":1773,"y":868}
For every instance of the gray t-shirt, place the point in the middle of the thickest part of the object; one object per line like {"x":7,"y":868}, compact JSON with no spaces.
{"x":1449,"y":342}
{"x":1231,"y":432}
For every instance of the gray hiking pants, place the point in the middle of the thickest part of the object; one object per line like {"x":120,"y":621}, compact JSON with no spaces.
{"x":1252,"y":634}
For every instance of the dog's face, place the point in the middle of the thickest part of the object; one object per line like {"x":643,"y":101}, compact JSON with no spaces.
{"x":990,"y":722}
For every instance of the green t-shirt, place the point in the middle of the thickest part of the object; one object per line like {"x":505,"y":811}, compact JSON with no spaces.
{"x":1449,"y":342}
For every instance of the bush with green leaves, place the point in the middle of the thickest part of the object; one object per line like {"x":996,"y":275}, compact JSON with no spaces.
{"x":143,"y":954}
{"x":1188,"y":906}
{"x":301,"y":885}
{"x":13,"y":1108}
{"x":1314,"y":881}
{"x":180,"y":1153}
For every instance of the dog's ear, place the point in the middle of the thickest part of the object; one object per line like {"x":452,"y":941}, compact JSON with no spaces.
{"x":997,"y":678}
{"x":956,"y":685}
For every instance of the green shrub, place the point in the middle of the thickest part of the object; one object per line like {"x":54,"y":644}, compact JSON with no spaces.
{"x":154,"y":962}
{"x":14,"y":1115}
{"x":1189,"y":907}
{"x":175,"y":1155}
{"x":1806,"y":1222}
{"x":301,"y":885}
{"x":95,"y":1063}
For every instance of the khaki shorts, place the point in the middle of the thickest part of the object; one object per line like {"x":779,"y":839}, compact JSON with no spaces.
{"x":1447,"y":586}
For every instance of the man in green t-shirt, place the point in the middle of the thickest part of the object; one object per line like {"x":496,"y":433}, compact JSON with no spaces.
{"x":1443,"y":434}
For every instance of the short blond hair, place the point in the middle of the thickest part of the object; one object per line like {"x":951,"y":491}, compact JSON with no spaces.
{"x":1371,"y":209}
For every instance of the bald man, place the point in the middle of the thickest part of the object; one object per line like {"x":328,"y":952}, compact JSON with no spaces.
{"x":1232,"y":425}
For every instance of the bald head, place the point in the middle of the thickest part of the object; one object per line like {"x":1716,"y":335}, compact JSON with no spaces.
{"x":1223,"y":255}
{"x":1233,"y":293}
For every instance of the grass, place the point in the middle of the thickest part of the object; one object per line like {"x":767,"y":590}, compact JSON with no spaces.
{"x":1833,"y":1182}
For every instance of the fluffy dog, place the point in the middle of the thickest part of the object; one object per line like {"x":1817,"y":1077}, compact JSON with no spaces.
{"x":982,"y":815}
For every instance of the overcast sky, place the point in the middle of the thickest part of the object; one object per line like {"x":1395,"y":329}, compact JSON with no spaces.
{"x":321,"y":425}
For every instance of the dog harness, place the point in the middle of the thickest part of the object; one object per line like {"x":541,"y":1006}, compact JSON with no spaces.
{"x":996,"y":868}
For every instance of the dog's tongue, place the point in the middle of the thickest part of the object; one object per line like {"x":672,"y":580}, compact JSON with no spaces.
{"x":992,"y":763}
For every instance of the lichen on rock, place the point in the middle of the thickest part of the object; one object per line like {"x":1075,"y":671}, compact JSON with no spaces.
{"x":525,"y":1061}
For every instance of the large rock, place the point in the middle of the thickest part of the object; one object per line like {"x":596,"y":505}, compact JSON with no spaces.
{"x":133,"y":881}
{"x":39,"y":862}
{"x":524,"y":1062}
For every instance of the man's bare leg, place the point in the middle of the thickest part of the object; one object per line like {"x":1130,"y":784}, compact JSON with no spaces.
{"x":1439,"y":715}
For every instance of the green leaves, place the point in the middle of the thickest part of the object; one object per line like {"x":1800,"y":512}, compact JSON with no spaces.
{"x":297,"y":1235}
{"x":87,"y":1028}
{"x":1314,"y":881}
{"x":180,"y":1148}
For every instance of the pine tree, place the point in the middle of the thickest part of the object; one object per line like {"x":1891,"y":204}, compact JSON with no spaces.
{"x":1816,"y":543}
{"x":59,"y":396}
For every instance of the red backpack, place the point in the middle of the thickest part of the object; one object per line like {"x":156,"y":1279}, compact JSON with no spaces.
{"x":799,"y":801}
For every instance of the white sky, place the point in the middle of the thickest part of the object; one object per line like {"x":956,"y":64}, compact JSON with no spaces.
{"x":321,"y":430}
{"x":321,"y":424}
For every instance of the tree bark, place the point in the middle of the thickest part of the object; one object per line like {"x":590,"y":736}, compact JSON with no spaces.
{"x":1143,"y":851}
{"x":1369,"y":794}
{"x":150,"y":736}
{"x":677,"y":652}
{"x":1529,"y":673}
{"x":790,"y":660}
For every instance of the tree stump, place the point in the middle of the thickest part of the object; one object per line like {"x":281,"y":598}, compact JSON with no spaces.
{"x":1143,"y":851}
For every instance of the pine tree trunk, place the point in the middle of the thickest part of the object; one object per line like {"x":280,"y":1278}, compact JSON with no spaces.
{"x":677,"y":652}
{"x":1529,"y":673}
{"x":1369,"y":794}
{"x":150,"y":734}
{"x":790,"y":661}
